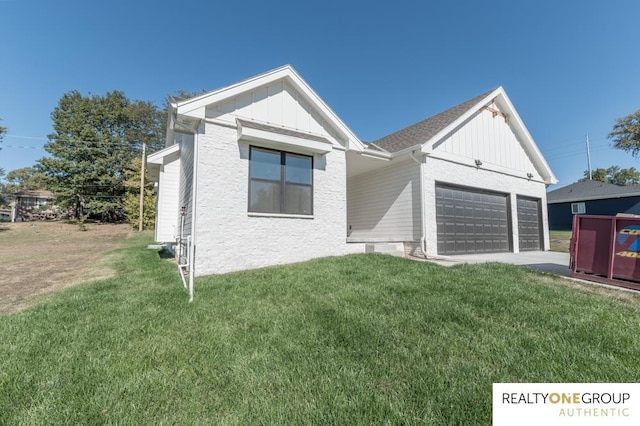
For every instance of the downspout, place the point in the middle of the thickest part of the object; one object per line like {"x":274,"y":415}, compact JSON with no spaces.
{"x":194,"y":193}
{"x":423,"y":237}
{"x":182,"y":266}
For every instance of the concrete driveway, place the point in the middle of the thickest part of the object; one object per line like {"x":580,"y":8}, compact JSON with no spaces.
{"x":547,"y":261}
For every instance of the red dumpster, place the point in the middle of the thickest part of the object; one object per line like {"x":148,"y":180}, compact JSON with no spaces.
{"x":606,"y":249}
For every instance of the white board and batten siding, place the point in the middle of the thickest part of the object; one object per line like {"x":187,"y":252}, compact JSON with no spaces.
{"x":492,"y":141}
{"x":168,"y":199}
{"x":384,"y":205}
{"x":278,"y":104}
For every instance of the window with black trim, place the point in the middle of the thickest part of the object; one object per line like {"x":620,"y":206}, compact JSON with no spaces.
{"x":280,"y":182}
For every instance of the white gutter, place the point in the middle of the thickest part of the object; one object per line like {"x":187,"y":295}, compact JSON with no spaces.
{"x":423,"y":237}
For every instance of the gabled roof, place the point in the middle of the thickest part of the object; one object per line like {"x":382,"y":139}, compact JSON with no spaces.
{"x":156,"y":160}
{"x":426,"y":129}
{"x":434,"y":129}
{"x":194,"y":108}
{"x":591,"y":190}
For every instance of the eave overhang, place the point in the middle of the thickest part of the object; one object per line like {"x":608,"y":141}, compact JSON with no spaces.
{"x":282,"y":138}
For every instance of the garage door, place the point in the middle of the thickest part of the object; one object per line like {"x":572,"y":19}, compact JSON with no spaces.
{"x":529,"y":224}
{"x":471,"y":221}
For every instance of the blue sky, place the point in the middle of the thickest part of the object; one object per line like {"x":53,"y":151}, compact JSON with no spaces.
{"x":570,"y":67}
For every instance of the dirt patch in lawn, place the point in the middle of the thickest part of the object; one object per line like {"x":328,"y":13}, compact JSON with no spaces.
{"x":37,"y":258}
{"x":560,"y":240}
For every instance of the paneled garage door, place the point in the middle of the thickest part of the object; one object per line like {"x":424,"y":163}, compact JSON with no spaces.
{"x":529,"y":224}
{"x":471,"y":221}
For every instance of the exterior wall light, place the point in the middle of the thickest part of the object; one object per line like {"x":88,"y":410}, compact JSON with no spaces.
{"x":478,"y":163}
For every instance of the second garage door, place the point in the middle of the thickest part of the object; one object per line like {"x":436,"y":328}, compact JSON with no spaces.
{"x":471,"y":221}
{"x":529,"y":224}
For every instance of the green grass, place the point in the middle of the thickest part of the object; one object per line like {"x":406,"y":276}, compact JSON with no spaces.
{"x":560,"y":240}
{"x":363,"y":339}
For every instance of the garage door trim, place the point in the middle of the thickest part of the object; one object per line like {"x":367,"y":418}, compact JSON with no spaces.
{"x":492,"y":215}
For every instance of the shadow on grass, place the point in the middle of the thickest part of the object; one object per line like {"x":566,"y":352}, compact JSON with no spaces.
{"x":165,"y":254}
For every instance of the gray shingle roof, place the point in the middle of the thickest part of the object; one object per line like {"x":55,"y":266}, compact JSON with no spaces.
{"x":591,"y":190}
{"x":424,"y":130}
{"x":282,"y":131}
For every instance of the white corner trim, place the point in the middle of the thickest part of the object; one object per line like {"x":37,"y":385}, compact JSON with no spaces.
{"x":158,"y":156}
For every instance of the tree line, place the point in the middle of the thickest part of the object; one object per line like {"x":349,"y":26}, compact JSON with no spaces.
{"x":94,"y":160}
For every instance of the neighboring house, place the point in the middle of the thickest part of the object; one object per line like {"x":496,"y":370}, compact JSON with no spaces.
{"x":29,"y":204}
{"x":590,"y":197}
{"x":5,"y":215}
{"x":262,"y":172}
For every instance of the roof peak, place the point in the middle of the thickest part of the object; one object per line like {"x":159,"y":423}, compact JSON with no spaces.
{"x":424,"y":130}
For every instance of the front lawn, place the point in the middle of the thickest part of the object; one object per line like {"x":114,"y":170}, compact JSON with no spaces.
{"x":363,"y":339}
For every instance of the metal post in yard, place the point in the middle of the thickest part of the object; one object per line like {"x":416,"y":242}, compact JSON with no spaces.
{"x":141,"y":220}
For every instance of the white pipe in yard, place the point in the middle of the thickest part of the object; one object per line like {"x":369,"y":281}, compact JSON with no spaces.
{"x":182,"y":266}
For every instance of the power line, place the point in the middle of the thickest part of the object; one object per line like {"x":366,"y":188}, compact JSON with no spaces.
{"x":21,"y":146}
{"x":67,"y":139}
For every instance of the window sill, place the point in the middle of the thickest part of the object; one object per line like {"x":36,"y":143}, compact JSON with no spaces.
{"x":280,"y":215}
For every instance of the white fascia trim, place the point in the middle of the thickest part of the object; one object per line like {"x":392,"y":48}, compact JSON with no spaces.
{"x":410,"y":150}
{"x":158,"y":157}
{"x":518,"y":126}
{"x":537,"y":157}
{"x":191,"y":106}
{"x":591,"y":198}
{"x":313,"y":97}
{"x":427,"y":146}
{"x":377,"y":155}
{"x":284,"y":142}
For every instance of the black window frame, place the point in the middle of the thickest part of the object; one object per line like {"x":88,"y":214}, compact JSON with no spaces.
{"x":282,"y":182}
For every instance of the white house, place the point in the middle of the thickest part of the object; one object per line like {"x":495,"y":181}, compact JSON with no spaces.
{"x":467,"y":180}
{"x":254,"y":174}
{"x":263,"y":172}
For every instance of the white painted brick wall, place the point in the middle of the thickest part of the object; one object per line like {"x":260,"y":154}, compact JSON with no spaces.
{"x":442,"y":171}
{"x":228,"y":239}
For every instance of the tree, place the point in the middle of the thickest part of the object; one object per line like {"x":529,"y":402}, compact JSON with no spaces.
{"x":22,"y":179}
{"x":26,"y":178}
{"x":132,"y":197}
{"x":95,"y":139}
{"x":3,"y":131}
{"x":614,"y":175}
{"x":626,"y":133}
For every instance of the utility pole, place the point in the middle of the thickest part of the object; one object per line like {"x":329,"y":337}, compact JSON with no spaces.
{"x":141,"y":220}
{"x":588,"y":158}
